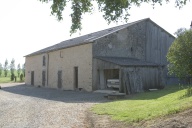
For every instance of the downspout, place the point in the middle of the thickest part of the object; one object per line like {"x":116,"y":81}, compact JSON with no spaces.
{"x":47,"y":69}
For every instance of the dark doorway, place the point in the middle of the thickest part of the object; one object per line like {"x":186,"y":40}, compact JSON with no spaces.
{"x":75,"y":77}
{"x":32,"y":77}
{"x":111,"y":73}
{"x":59,"y":84}
{"x":43,"y":78}
{"x":111,"y":79}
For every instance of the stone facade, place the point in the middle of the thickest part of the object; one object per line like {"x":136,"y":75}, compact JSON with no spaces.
{"x":62,"y":60}
{"x":128,"y":42}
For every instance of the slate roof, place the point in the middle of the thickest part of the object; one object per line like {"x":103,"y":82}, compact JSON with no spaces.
{"x":89,"y":38}
{"x":124,"y":61}
{"x":84,"y":39}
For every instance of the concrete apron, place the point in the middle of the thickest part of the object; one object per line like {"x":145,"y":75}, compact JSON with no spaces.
{"x":111,"y":94}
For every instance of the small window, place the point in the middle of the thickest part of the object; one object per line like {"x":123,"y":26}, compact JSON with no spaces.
{"x":61,"y":54}
{"x":131,"y":49}
{"x":44,"y":61}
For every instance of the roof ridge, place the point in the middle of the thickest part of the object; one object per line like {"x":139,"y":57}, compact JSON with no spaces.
{"x":82,"y":39}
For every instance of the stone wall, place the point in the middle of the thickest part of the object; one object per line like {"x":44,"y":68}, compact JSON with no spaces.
{"x":35,"y":63}
{"x":65,"y":61}
{"x":128,"y":42}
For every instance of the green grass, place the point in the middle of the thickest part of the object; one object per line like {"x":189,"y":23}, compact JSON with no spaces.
{"x":146,"y":105}
{"x":8,"y":80}
{"x":5,"y":80}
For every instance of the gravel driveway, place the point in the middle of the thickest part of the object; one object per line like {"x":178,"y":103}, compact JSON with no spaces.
{"x":23,"y":106}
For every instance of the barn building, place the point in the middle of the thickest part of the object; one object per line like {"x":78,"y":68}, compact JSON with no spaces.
{"x":134,"y":54}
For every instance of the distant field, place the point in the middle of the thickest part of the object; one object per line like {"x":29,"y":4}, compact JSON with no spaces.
{"x":7,"y":79}
{"x":146,"y":105}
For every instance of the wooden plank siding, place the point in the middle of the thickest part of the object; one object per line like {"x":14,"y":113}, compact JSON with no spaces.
{"x":158,"y":42}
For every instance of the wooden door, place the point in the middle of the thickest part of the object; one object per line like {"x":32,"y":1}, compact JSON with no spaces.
{"x":32,"y":77}
{"x":75,"y":77}
{"x":59,"y":84}
{"x":43,"y":78}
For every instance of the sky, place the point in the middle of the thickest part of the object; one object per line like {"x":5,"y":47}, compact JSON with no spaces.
{"x":27,"y":25}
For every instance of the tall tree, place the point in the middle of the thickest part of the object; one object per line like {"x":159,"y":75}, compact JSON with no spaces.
{"x":113,"y":9}
{"x":18,"y":69}
{"x":6,"y":68}
{"x":180,"y":55}
{"x":12,"y":66}
{"x":180,"y":31}
{"x":1,"y":69}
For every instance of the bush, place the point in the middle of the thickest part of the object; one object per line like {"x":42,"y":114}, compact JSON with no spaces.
{"x":21,"y":77}
{"x":12,"y":77}
{"x":188,"y":91}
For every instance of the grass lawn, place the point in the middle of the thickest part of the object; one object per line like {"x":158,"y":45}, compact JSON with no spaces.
{"x":5,"y":79}
{"x":146,"y":105}
{"x":8,"y":80}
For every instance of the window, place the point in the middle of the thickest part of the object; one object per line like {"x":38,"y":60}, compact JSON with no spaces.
{"x":61,"y":54}
{"x":43,"y":60}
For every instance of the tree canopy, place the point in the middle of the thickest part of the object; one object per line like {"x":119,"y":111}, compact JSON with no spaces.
{"x":1,"y":69}
{"x":180,"y":55}
{"x":12,"y":66}
{"x":113,"y":9}
{"x":6,"y":68}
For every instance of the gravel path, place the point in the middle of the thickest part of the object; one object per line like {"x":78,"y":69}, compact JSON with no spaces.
{"x":23,"y":106}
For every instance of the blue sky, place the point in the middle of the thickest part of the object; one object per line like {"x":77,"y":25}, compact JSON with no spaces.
{"x":27,"y":26}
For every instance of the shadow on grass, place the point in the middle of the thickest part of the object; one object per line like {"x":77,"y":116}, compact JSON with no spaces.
{"x":149,"y":95}
{"x":55,"y":94}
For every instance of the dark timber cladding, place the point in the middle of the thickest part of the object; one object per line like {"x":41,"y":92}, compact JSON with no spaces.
{"x":138,"y":52}
{"x":157,"y":43}
{"x":136,"y":79}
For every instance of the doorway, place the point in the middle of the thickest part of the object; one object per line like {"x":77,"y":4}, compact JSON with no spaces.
{"x":32,"y":77}
{"x":75,"y":77}
{"x":110,"y":79}
{"x":43,"y":78}
{"x":59,"y":83}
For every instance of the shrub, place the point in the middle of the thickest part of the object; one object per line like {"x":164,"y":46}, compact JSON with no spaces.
{"x":188,"y":91}
{"x":12,"y":77}
{"x":21,"y":77}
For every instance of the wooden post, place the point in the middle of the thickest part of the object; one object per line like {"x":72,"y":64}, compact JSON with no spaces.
{"x":121,"y":88}
{"x":102,"y":80}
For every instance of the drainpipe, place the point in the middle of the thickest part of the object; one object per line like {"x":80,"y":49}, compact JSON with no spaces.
{"x":47,"y":69}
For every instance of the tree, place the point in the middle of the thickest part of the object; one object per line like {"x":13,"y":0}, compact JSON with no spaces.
{"x":1,"y":69}
{"x":113,"y":9}
{"x":12,"y":68}
{"x":6,"y":68}
{"x":180,"y":31}
{"x":180,"y":55}
{"x":18,"y":69}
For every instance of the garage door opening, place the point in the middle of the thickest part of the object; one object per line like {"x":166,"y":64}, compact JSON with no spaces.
{"x":109,"y":79}
{"x":112,"y":78}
